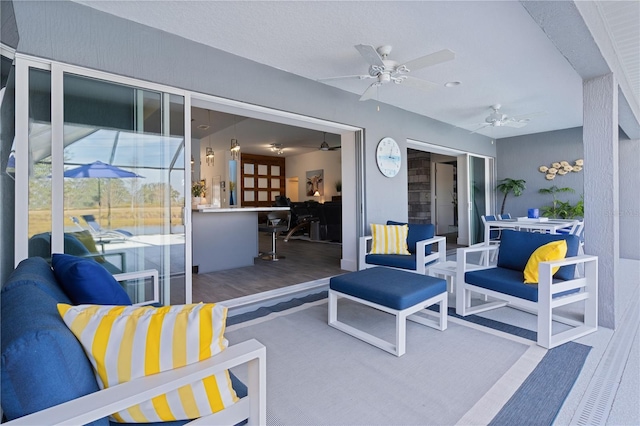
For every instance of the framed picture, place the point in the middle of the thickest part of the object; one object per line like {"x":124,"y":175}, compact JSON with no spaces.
{"x":315,"y":184}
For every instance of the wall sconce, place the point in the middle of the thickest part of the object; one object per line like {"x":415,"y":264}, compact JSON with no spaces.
{"x":210,"y":157}
{"x":235,"y":149}
{"x":316,"y":194}
{"x":192,"y":160}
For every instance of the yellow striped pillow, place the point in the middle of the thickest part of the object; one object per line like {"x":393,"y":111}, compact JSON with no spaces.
{"x":127,"y":342}
{"x":389,"y":239}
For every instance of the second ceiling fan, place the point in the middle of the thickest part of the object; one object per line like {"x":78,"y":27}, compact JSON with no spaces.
{"x":384,"y":70}
{"x":498,"y":119}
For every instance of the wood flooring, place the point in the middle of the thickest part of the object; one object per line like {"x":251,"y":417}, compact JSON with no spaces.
{"x":304,"y":261}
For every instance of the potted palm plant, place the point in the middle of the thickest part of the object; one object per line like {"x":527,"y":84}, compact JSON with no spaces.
{"x":510,"y":186}
{"x":557,"y":208}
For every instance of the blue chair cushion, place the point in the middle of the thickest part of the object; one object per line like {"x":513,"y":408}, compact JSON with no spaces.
{"x":86,"y":281}
{"x":40,"y":245}
{"x":417,"y":232}
{"x":42,"y":362}
{"x":507,"y":281}
{"x":516,"y":247}
{"x":503,"y":280}
{"x":392,"y":260}
{"x":388,"y":287}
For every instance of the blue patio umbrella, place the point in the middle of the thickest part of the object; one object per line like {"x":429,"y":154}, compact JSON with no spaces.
{"x":100,"y":170}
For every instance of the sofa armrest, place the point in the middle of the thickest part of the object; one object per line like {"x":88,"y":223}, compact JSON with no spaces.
{"x":139,"y":290}
{"x":545,"y":275}
{"x":105,"y":402}
{"x":580,"y":289}
{"x":363,"y":250}
{"x":439,"y":256}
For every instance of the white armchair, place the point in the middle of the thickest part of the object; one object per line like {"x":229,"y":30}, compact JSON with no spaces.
{"x":419,"y":242}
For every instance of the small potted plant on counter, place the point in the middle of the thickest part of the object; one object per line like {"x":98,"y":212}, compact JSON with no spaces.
{"x":198,"y":190}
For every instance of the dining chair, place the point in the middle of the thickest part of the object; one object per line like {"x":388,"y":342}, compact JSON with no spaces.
{"x":494,"y":234}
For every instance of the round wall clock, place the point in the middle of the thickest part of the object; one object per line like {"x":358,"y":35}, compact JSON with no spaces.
{"x":388,"y":157}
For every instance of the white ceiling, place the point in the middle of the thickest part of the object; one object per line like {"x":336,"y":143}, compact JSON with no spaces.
{"x":502,"y":55}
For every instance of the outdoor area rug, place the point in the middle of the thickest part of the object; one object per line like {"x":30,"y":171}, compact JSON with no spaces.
{"x":469,"y":374}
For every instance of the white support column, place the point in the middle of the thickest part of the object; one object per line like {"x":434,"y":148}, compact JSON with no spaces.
{"x":601,"y":187}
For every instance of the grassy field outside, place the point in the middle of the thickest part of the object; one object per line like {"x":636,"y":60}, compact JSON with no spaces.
{"x":121,"y":218}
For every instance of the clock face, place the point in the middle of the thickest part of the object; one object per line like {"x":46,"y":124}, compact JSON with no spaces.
{"x":388,"y":157}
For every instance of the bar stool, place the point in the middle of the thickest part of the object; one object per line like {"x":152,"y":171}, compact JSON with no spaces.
{"x":277,"y":221}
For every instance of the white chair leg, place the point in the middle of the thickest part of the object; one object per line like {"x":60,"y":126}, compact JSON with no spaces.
{"x":401,"y":333}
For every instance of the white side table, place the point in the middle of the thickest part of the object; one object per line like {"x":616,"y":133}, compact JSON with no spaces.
{"x":445,"y":270}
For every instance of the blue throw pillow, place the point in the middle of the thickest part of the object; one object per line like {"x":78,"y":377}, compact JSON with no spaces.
{"x":417,"y":232}
{"x":87,"y":282}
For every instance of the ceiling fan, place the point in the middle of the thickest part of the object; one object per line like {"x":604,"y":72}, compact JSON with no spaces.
{"x":324,"y":146}
{"x":384,"y":70}
{"x":498,"y":119}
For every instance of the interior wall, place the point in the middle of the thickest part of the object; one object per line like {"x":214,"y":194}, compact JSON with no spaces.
{"x":330,"y":162}
{"x":66,"y":26}
{"x":629,"y":152}
{"x":519,"y":158}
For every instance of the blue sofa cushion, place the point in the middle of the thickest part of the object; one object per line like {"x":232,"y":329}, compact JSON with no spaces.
{"x":37,"y":273}
{"x":42,"y":362}
{"x":516,"y":247}
{"x":417,"y":232}
{"x":389,"y":287}
{"x":87,"y":282}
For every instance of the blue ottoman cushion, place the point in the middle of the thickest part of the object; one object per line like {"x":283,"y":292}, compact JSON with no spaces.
{"x":388,"y":287}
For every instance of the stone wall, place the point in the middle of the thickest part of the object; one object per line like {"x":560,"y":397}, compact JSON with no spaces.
{"x":419,"y":186}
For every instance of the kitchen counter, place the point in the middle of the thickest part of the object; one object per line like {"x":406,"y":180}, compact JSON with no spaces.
{"x":225,"y":238}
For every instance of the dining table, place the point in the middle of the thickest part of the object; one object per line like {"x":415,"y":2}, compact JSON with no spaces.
{"x":551,"y":226}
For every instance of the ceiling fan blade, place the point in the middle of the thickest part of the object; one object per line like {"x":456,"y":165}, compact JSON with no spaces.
{"x":526,"y":117}
{"x":346,"y":77}
{"x":515,"y":124}
{"x":429,"y":60}
{"x":480,"y":128}
{"x":370,"y":54}
{"x":370,"y":92}
{"x":417,"y":83}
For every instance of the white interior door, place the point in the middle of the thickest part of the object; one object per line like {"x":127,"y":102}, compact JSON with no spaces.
{"x":444,"y":197}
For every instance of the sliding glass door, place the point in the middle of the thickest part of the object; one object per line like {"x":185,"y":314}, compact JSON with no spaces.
{"x":105,"y":163}
{"x":476,"y":196}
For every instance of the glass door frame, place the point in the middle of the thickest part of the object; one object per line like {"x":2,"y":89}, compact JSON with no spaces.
{"x":464,"y":202}
{"x":465,"y":195}
{"x":57,"y":69}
